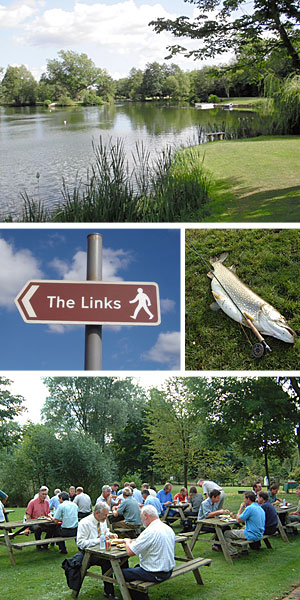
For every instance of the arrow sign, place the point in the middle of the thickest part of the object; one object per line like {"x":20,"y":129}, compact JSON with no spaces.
{"x":92,"y":302}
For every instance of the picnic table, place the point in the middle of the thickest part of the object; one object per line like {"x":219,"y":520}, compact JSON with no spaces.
{"x":118,"y":557}
{"x":7,"y":538}
{"x":178,"y":507}
{"x":219,"y":524}
{"x":283,"y":510}
{"x":6,"y":512}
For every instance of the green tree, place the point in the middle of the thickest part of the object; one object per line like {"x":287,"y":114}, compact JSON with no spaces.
{"x":72,"y":71}
{"x":131,"y":448}
{"x":96,"y":406}
{"x":105,"y":85}
{"x":153,"y":80}
{"x":11,"y":406}
{"x":173,"y":429}
{"x":274,"y":21}
{"x":19,"y":86}
{"x":256,"y":413}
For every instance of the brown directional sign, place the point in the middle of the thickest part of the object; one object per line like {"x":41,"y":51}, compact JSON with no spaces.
{"x":94,"y":302}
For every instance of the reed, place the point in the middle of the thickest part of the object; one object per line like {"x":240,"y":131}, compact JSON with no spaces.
{"x":169,"y":187}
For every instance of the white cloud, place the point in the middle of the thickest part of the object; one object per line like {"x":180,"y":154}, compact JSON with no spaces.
{"x":15,"y":15}
{"x":166,"y":350}
{"x":112,"y":262}
{"x":16,"y":267}
{"x":167,"y":305}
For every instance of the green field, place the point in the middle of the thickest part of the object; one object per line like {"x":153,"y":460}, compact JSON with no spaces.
{"x":271,"y":573}
{"x":254,"y":180}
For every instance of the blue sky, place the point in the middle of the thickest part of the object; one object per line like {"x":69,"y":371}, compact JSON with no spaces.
{"x":128,"y":255}
{"x":114,"y":33}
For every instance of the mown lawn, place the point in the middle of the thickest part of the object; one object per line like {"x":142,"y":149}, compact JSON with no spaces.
{"x":267,"y":260}
{"x":253,"y":180}
{"x":267,"y":573}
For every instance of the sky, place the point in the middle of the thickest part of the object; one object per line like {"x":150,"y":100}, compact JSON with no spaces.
{"x":142,"y":255}
{"x":114,"y":33}
{"x":34,"y":391}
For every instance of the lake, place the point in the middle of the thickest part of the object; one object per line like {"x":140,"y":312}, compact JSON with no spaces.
{"x":57,"y":142}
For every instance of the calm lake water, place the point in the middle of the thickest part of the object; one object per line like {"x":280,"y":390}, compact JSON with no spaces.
{"x":57,"y":143}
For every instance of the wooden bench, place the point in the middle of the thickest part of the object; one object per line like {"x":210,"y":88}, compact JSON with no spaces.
{"x":186,"y":567}
{"x":43,"y":542}
{"x":294,"y":525}
{"x":244,"y":543}
{"x":219,"y":135}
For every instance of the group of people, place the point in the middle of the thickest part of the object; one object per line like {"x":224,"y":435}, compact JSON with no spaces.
{"x":130,"y":509}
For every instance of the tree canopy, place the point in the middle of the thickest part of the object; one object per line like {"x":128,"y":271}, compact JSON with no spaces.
{"x":228,"y":25}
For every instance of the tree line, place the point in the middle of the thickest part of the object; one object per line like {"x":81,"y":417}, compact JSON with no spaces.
{"x":96,"y":429}
{"x":73,"y":77}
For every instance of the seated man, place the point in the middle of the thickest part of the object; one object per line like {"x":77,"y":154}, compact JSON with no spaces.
{"x":67,"y":512}
{"x":294,"y":517}
{"x":256,"y":488}
{"x":54,"y":501}
{"x":252,"y":514}
{"x":83,"y":502}
{"x":208,"y":486}
{"x":136,"y":493}
{"x":72,"y":493}
{"x":106,"y":495}
{"x":152,"y":492}
{"x":128,"y":510}
{"x":182,"y":496}
{"x":148,"y":499}
{"x":155,"y":547}
{"x":39,"y":507}
{"x":210,"y":508}
{"x":88,"y":534}
{"x":272,"y":493}
{"x":271,"y":514}
{"x":192,"y":510}
{"x":165,"y":497}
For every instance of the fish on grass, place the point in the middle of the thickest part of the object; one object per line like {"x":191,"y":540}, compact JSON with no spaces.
{"x":239,"y":296}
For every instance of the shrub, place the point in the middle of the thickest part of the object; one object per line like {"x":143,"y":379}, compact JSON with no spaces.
{"x":64,"y":100}
{"x":214,"y":99}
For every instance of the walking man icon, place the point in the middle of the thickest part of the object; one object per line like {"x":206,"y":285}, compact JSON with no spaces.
{"x":143,"y":302}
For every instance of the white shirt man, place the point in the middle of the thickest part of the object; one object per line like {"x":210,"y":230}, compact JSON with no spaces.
{"x":88,"y":534}
{"x":155,"y":547}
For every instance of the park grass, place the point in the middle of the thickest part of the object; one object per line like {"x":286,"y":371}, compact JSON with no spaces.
{"x":253,"y":180}
{"x":267,"y":260}
{"x":268,"y":573}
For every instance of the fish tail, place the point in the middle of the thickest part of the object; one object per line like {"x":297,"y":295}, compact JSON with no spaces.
{"x":221,"y":258}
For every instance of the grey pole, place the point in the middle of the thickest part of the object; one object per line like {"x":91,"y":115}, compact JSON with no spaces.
{"x":93,"y":333}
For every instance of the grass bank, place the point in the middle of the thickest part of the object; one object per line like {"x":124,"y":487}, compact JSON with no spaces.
{"x":39,"y":574}
{"x":267,"y":260}
{"x":253,"y":180}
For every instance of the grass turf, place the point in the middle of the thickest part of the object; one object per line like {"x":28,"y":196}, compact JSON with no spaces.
{"x":255,"y":179}
{"x":267,"y":260}
{"x":269,"y":572}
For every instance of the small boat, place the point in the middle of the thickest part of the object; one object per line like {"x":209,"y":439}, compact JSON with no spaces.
{"x":204,"y":105}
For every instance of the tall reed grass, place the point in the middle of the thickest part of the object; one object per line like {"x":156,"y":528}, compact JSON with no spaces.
{"x":169,"y":187}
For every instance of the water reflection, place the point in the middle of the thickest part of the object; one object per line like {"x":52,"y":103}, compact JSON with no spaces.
{"x":58,"y":142}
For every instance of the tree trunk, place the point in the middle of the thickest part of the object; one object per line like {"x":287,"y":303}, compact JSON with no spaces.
{"x":291,"y":50}
{"x":185,"y":473}
{"x":296,"y":387}
{"x":266,"y":461}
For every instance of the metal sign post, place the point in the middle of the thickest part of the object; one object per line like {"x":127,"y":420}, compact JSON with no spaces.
{"x":93,"y":333}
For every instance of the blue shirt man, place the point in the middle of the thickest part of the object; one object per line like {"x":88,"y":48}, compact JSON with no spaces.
{"x":165,"y":496}
{"x":67,"y":512}
{"x":148,"y":499}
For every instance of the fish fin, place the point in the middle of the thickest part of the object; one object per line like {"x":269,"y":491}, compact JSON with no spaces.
{"x":210,"y":275}
{"x":249,"y":316}
{"x":216,"y":295}
{"x":232,"y":268}
{"x":214,"y":306}
{"x":221,"y":258}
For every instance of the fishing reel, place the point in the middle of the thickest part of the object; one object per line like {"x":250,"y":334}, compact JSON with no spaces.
{"x":259,"y":349}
